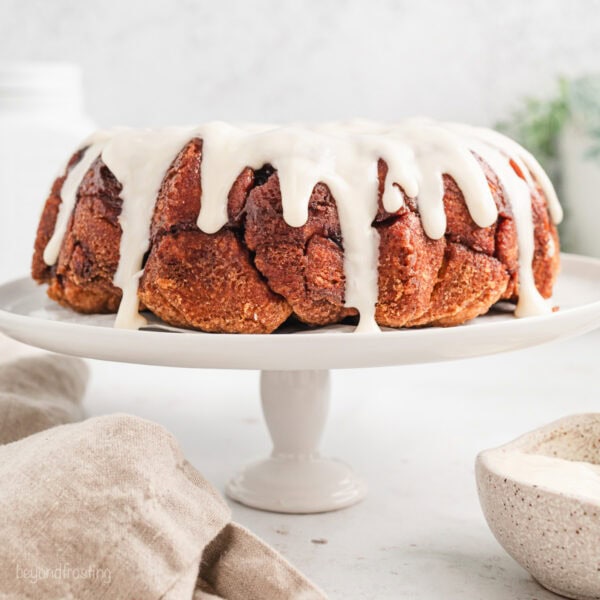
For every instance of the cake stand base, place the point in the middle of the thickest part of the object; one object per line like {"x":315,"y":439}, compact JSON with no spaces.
{"x":296,"y":479}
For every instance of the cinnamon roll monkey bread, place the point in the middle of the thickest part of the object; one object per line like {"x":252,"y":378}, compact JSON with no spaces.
{"x":237,"y":229}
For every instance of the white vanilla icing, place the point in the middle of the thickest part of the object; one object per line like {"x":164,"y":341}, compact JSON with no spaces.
{"x":498,"y":153}
{"x":551,"y":473}
{"x":530,"y":300}
{"x":343,"y":156}
{"x":514,"y":150}
{"x":139,"y":161}
{"x":68,"y":193}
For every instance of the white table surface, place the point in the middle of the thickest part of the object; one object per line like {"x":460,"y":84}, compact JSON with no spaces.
{"x":412,"y":432}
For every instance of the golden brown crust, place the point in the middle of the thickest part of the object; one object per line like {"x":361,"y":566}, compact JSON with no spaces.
{"x":226,"y":294}
{"x":409,"y":265}
{"x":468,"y":284}
{"x":447,"y":281}
{"x":257,"y":271}
{"x":546,"y":257}
{"x":89,"y":254}
{"x":294,"y":259}
{"x":40,"y":271}
{"x":192,"y":279}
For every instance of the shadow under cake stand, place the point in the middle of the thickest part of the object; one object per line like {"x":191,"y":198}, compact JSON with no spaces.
{"x":295,"y":384}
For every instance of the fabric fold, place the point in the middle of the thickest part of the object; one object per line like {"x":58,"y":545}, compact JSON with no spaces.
{"x":237,"y":565}
{"x":39,"y":392}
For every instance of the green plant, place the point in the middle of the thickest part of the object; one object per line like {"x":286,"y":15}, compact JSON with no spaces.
{"x":584,"y":102}
{"x":537,"y":124}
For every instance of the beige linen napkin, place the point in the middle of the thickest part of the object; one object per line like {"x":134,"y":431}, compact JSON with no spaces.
{"x":39,"y":392}
{"x":109,"y":507}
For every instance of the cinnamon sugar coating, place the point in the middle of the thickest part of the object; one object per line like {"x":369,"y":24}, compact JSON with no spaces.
{"x":257,"y":271}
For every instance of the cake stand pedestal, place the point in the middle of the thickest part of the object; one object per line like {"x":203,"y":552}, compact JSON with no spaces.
{"x":294,"y":365}
{"x":296,"y":478}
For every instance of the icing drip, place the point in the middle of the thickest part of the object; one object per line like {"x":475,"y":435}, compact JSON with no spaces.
{"x":530,"y":301}
{"x":68,"y":193}
{"x":439,"y":150}
{"x":499,"y":154}
{"x":344,"y":156}
{"x":139,"y":161}
{"x":512,"y":149}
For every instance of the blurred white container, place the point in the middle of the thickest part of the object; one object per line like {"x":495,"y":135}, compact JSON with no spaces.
{"x":579,"y":153}
{"x":41,"y":123}
{"x":581,"y":187}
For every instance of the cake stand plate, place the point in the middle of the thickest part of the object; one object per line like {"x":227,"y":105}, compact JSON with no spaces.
{"x":295,"y":370}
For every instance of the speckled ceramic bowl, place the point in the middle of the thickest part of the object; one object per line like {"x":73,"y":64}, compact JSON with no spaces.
{"x":541,"y":497}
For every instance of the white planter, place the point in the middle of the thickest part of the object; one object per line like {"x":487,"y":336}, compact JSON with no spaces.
{"x":581,"y":192}
{"x":41,"y":124}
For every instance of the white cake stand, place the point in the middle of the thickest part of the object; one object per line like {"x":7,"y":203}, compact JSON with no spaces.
{"x":295,"y":370}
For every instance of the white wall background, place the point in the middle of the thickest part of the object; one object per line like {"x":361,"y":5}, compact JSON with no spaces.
{"x":173,"y":62}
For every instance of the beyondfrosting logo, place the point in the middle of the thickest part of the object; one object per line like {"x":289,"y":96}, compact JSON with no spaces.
{"x":63,"y":571}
